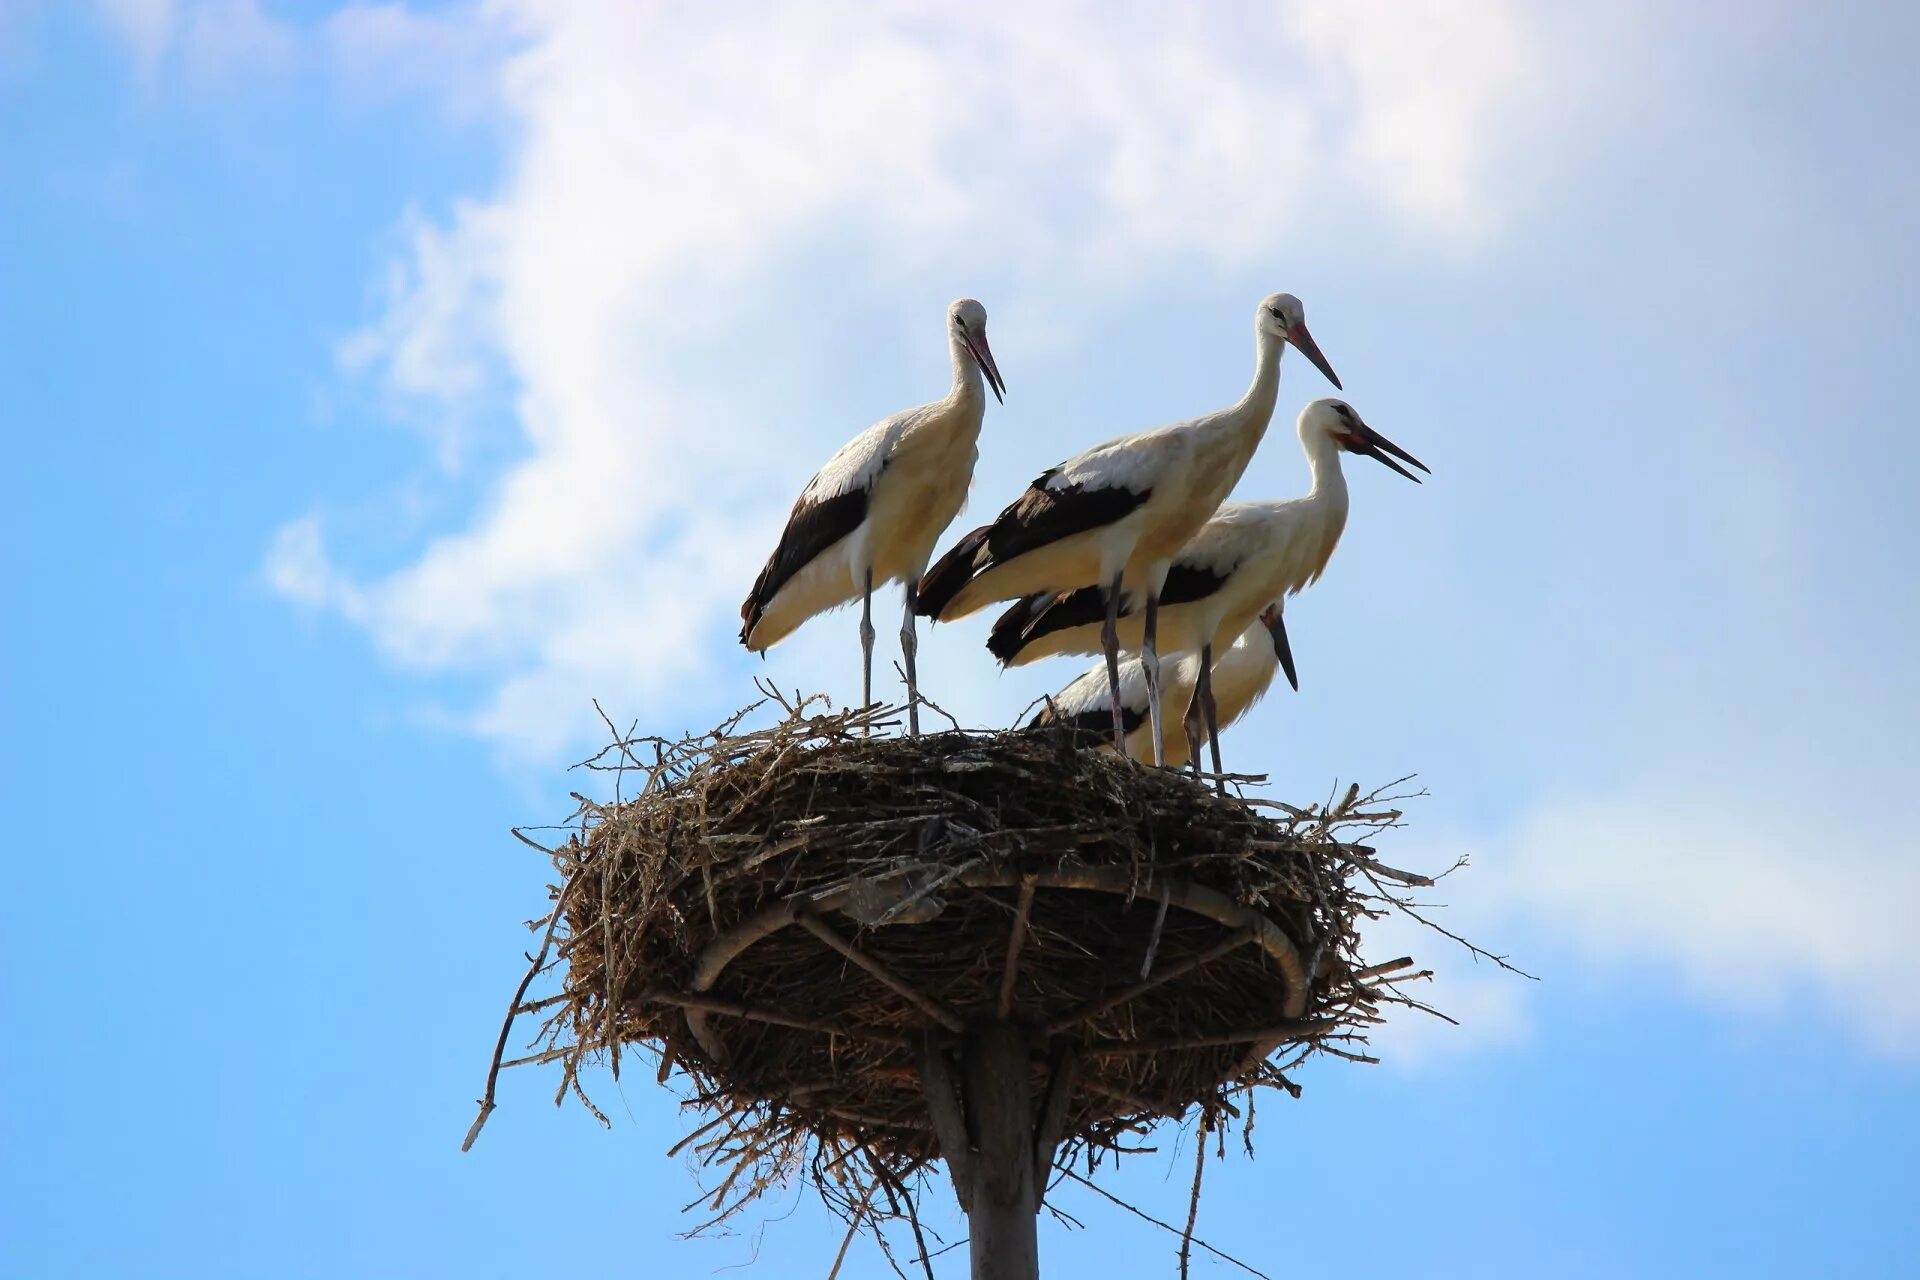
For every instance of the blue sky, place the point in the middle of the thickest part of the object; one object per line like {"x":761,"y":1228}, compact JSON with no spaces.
{"x":384,"y":383}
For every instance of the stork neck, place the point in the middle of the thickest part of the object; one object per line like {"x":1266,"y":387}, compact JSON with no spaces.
{"x":1323,"y":461}
{"x":1256,"y":407}
{"x":1265,"y":389}
{"x":969,"y":384}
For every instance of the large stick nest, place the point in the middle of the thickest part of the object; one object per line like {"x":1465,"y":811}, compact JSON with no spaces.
{"x":791,"y":916}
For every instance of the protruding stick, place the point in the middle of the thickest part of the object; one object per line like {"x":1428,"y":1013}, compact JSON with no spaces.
{"x":884,"y":976}
{"x":1097,"y":1007}
{"x":1015,"y":940}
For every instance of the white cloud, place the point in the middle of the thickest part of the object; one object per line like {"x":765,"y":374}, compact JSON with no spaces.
{"x":297,"y":568}
{"x":146,"y":27}
{"x":213,"y":39}
{"x":386,"y":50}
{"x":1793,"y":899}
{"x":225,"y":38}
{"x":672,"y":170}
{"x":670,"y":163}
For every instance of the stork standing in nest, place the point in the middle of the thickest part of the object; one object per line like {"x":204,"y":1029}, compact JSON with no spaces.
{"x":1239,"y":678}
{"x":1248,"y":557}
{"x":1115,"y":516}
{"x":873,"y":513}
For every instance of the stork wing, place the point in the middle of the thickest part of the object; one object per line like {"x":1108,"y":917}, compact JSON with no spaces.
{"x":831,"y":506}
{"x":1052,"y":509}
{"x":1083,"y":704}
{"x":1036,"y":616}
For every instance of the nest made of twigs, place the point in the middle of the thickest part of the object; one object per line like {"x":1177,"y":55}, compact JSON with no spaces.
{"x":789,"y":916}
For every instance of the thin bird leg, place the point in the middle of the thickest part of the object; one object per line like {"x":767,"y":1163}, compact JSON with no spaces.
{"x":1150,"y":662}
{"x":1110,"y":643}
{"x":909,"y":643}
{"x":866,"y":641}
{"x":1195,"y":719}
{"x":1212,"y":710}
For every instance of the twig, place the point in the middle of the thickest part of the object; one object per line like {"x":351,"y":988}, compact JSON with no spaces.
{"x":1193,"y":1198}
{"x":884,"y":976}
{"x":853,"y":1229}
{"x":1095,"y":1008}
{"x":1164,"y":1226}
{"x":734,"y":1009}
{"x":513,"y":1007}
{"x":1159,"y":922}
{"x":1016,"y":938}
{"x":1304,"y":1030}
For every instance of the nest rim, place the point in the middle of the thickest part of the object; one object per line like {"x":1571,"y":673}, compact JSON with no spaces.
{"x":726,"y":972}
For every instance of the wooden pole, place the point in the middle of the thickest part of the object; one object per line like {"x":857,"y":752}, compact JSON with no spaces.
{"x":1004,"y":1218}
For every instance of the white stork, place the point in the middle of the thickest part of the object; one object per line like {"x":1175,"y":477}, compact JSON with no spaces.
{"x":1115,"y":516}
{"x":1240,"y":678}
{"x":873,"y":513}
{"x":1248,"y":556}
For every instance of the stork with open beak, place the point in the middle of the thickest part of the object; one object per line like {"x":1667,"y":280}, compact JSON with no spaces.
{"x":1249,"y":556}
{"x":1114,"y":517}
{"x":873,"y":513}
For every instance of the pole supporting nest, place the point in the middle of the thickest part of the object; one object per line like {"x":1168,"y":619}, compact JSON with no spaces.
{"x":997,"y":1139}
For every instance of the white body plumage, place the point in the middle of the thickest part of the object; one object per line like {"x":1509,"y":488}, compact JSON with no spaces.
{"x":1248,"y":555}
{"x":873,"y":513}
{"x":1241,"y":676}
{"x":1125,"y":507}
{"x":914,"y":469}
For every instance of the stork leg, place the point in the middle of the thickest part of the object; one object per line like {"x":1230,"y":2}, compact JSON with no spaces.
{"x":1211,"y":710}
{"x":909,"y":644}
{"x":1110,"y":644}
{"x":866,"y":640}
{"x":1150,"y":662}
{"x":1195,"y":719}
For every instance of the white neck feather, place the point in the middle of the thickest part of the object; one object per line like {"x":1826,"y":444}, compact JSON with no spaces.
{"x":1323,"y":461}
{"x":968,"y":382}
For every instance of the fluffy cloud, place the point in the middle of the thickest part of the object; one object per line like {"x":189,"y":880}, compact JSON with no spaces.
{"x":673,"y":168}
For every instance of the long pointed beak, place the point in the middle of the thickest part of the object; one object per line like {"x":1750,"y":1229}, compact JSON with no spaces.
{"x":1376,"y":446}
{"x":1276,"y":623}
{"x":1300,"y":338}
{"x":983,"y":356}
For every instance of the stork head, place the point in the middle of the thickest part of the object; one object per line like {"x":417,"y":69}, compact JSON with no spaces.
{"x":1336,"y":420}
{"x":1276,"y":624}
{"x":1281,"y":316}
{"x":967,"y":325}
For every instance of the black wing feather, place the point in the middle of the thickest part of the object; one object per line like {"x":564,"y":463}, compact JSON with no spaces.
{"x":1187,"y":583}
{"x":941,"y":583}
{"x":1036,"y":616}
{"x":1040,"y":517}
{"x":1098,"y":720}
{"x":815,"y":525}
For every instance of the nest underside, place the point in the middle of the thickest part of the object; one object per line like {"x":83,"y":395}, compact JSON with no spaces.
{"x":790,"y":917}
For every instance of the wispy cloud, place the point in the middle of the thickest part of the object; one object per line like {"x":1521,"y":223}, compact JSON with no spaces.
{"x":1781,"y":900}
{"x":146,"y":28}
{"x":211,"y":39}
